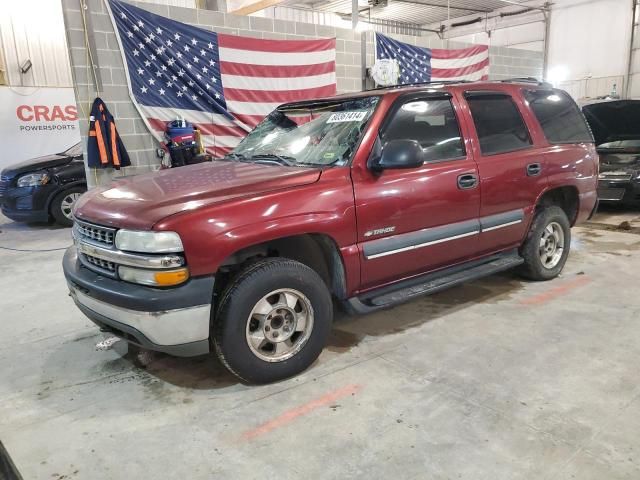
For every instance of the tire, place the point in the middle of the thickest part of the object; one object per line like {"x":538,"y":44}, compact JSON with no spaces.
{"x":62,"y":205}
{"x":275,"y":297}
{"x":548,"y":222}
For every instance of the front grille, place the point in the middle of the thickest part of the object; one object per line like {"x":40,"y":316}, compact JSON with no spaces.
{"x":100,"y":263}
{"x":4,"y":185}
{"x":615,"y":176}
{"x":94,"y":233}
{"x":611,"y":194}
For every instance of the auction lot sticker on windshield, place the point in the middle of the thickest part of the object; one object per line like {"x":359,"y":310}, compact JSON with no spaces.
{"x":346,"y":117}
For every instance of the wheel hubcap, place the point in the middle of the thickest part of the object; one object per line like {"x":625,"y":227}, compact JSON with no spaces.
{"x":551,"y":245}
{"x":279,"y":325}
{"x":67,"y":203}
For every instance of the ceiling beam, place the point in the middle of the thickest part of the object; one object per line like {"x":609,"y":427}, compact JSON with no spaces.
{"x":429,"y":4}
{"x":255,"y":7}
{"x":512,"y":2}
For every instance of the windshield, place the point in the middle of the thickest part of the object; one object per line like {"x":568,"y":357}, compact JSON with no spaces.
{"x":319,"y":134}
{"x":73,"y":151}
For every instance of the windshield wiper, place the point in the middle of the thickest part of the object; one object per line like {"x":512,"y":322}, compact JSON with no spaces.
{"x":273,"y":158}
{"x":235,"y":156}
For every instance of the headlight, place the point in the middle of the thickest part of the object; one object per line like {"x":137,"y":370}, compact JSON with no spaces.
{"x":154,"y":278}
{"x":148,"y":242}
{"x":33,"y":180}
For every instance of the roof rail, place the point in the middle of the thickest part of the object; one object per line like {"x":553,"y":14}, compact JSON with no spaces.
{"x":542,"y":83}
{"x":417,"y":84}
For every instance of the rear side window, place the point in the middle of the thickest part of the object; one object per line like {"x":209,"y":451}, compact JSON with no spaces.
{"x":431,"y":122}
{"x":558,"y":116}
{"x":498,"y":122}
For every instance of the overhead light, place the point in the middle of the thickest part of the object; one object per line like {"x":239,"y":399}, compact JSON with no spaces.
{"x":558,"y":74}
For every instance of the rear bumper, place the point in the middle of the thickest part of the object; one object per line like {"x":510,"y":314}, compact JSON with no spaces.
{"x":174,"y":321}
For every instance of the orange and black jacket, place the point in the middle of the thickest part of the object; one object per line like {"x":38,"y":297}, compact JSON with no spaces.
{"x":104,"y":147}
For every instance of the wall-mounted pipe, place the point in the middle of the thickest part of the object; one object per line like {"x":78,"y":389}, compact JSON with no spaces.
{"x":627,"y":80}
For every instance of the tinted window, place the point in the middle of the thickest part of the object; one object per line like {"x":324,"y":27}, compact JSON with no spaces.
{"x":498,"y":123}
{"x":559,"y":116}
{"x":432,"y":123}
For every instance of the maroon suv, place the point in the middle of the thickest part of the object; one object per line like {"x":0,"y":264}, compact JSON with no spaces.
{"x":369,"y":199}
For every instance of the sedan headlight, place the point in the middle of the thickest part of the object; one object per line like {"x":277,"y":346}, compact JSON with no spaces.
{"x":33,"y":180}
{"x":148,"y":241}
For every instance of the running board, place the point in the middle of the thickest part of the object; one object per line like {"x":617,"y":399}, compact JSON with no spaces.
{"x":433,"y":282}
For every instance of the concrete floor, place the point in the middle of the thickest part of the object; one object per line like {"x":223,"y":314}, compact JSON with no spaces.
{"x":498,"y":379}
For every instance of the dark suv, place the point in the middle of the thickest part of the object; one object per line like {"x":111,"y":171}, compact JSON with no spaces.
{"x":369,"y":199}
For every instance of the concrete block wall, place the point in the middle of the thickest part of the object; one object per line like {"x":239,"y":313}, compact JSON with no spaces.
{"x":139,"y":142}
{"x":505,"y":63}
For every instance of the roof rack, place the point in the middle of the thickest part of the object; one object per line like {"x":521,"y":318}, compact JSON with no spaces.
{"x":542,"y":83}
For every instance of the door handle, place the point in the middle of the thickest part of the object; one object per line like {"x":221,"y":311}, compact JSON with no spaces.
{"x":466,"y":181}
{"x":534,"y":169}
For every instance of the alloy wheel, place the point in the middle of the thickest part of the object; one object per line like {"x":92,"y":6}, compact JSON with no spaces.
{"x":279,"y":325}
{"x":551,"y":245}
{"x":67,"y":203}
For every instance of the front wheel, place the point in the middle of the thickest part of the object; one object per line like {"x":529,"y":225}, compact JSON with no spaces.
{"x":273,"y":320}
{"x":546,"y":248}
{"x":62,"y":205}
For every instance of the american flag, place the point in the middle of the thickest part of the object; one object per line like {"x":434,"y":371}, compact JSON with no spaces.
{"x":419,"y":64}
{"x":224,"y":84}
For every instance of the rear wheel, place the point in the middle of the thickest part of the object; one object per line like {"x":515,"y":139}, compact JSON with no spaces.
{"x":547,"y":246}
{"x":62,"y":205}
{"x":273,"y":320}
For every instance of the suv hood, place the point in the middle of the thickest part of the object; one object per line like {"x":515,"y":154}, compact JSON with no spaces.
{"x":140,"y":202}
{"x":614,"y":120}
{"x":33,"y":164}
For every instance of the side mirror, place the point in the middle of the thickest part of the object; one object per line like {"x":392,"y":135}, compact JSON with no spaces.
{"x":399,"y":154}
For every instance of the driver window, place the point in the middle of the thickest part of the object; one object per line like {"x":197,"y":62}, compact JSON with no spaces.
{"x":432,"y":123}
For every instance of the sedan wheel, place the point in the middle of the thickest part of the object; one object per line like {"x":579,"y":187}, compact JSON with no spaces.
{"x":66,"y":206}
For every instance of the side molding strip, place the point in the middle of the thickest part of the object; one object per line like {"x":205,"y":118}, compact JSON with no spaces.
{"x":502,"y":225}
{"x":420,"y":245}
{"x":432,"y":236}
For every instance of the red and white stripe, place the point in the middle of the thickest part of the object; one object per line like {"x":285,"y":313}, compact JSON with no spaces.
{"x":460,"y":64}
{"x":257,"y":76}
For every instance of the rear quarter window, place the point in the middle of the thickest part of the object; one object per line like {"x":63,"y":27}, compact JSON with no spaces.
{"x":559,"y":116}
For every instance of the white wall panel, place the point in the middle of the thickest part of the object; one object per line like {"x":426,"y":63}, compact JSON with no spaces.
{"x":34,"y":30}
{"x":590,"y":38}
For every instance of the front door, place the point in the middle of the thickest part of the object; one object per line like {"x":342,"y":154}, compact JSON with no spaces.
{"x":416,"y":220}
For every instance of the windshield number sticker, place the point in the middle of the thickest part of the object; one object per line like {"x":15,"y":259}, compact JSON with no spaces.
{"x":339,"y":117}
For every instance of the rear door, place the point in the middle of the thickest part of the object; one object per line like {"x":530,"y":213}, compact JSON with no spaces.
{"x":416,"y":220}
{"x":511,"y":167}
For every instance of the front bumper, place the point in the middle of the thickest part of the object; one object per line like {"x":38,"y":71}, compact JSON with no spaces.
{"x":25,"y":215}
{"x":173,"y":320}
{"x":27,"y":204}
{"x":627,"y":192}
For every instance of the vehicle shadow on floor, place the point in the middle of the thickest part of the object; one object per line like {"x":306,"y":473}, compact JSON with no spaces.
{"x":7,"y":225}
{"x":206,"y":371}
